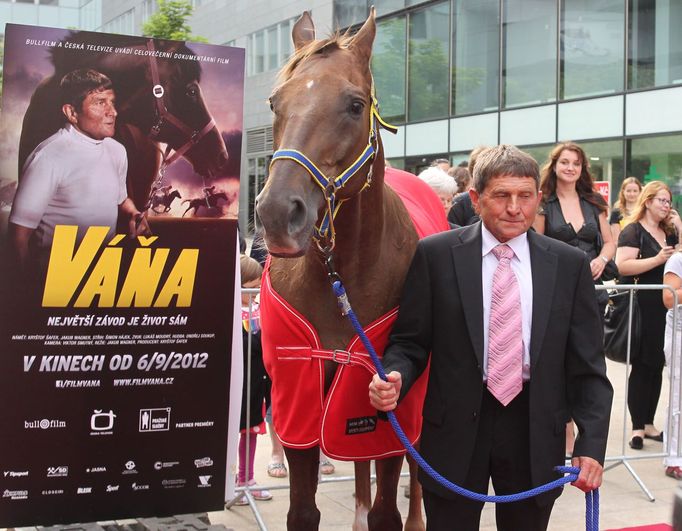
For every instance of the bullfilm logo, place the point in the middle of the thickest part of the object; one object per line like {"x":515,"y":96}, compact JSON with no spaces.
{"x":44,"y":424}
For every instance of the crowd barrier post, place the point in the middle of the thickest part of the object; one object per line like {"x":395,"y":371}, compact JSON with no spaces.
{"x":673,"y":411}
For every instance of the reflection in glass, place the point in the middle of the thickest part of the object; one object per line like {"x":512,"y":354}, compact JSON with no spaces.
{"x":271,"y":39}
{"x":655,"y":47}
{"x":658,"y":158}
{"x":259,"y":52}
{"x":475,"y":56}
{"x":384,"y":7}
{"x":388,"y":68}
{"x":428,"y":67}
{"x":606,"y":163}
{"x":530,"y":42}
{"x":592,"y":37}
{"x":349,"y":12}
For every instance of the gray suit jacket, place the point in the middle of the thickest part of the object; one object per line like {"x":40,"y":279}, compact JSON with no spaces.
{"x":441,"y":312}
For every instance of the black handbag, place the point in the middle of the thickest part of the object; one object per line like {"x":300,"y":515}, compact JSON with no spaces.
{"x":616,"y":320}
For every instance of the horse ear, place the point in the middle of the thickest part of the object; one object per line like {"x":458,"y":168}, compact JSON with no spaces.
{"x":364,"y":39}
{"x":304,"y":31}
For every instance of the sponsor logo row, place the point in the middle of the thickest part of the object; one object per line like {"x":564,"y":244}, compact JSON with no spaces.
{"x":129,"y":467}
{"x":201,"y":481}
{"x":102,"y":422}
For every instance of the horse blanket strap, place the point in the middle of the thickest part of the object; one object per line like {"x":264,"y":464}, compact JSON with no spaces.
{"x":330,"y":186}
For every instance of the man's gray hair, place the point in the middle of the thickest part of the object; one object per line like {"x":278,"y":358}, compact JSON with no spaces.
{"x":504,"y":160}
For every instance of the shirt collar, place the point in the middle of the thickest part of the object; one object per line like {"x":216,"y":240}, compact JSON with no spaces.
{"x":81,"y":137}
{"x":519,"y":244}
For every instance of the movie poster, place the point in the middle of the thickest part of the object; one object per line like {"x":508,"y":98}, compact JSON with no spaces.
{"x":119,"y":185}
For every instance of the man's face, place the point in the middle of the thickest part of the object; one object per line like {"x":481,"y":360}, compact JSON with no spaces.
{"x":97,"y":117}
{"x":507,"y":206}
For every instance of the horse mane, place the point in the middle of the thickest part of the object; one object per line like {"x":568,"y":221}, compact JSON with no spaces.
{"x":63,"y":58}
{"x":337,"y":41}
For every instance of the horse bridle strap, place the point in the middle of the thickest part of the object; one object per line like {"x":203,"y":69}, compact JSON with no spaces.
{"x":163,"y":114}
{"x":325,"y":228}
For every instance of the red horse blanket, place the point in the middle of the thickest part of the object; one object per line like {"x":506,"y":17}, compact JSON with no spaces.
{"x":343,"y":423}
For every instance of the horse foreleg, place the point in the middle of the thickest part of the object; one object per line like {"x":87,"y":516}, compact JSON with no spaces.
{"x":303,"y":514}
{"x":363,"y":495}
{"x":384,"y":515}
{"x":415,"y":521}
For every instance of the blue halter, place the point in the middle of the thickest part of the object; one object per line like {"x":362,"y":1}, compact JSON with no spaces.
{"x":324,"y":230}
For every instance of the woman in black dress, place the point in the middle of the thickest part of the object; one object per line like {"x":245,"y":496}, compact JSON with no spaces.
{"x":644,"y":246}
{"x":574,"y":213}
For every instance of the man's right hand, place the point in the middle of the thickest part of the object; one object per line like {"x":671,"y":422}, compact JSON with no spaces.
{"x":384,"y":395}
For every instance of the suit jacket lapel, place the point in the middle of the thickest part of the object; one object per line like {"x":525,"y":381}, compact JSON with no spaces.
{"x":466,"y":254}
{"x":544,"y":268}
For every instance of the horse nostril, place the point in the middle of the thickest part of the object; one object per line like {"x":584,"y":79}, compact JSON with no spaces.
{"x":297,"y":215}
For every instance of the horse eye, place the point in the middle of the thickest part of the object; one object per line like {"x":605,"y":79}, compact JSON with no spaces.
{"x":192,"y":92}
{"x":356,"y":108}
{"x":272,"y":105}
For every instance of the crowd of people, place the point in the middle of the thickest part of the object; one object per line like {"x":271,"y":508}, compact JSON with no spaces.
{"x":635,"y":241}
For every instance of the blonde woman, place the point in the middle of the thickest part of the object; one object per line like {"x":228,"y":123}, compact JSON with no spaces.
{"x":645,"y":244}
{"x":622,"y":208}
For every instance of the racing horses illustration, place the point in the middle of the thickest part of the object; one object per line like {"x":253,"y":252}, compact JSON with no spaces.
{"x":158,"y":100}
{"x":210,"y":202}
{"x":326,"y":211}
{"x":163,"y":199}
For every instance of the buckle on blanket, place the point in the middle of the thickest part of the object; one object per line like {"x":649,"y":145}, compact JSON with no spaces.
{"x":341,"y":356}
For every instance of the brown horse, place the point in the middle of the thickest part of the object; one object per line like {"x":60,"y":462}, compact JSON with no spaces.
{"x":174,"y":114}
{"x":323,"y":108}
{"x":212,"y":202}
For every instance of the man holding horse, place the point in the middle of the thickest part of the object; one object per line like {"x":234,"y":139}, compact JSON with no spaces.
{"x":77,"y":176}
{"x":509,"y":322}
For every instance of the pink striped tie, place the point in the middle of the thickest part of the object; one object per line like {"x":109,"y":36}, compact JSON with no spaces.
{"x":505,"y":338}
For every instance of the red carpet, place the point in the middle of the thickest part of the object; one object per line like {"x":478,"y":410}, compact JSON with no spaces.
{"x":653,"y":527}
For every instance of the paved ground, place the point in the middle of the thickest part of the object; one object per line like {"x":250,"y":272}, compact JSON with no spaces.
{"x":623,"y":503}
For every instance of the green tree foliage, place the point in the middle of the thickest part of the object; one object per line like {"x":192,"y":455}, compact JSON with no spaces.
{"x":170,"y":22}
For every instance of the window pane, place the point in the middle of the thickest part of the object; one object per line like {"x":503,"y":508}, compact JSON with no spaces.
{"x":530,"y":52}
{"x":285,"y":44}
{"x":592,"y":39}
{"x":384,"y":7}
{"x":388,"y":68}
{"x":271,"y":34}
{"x":349,"y":12}
{"x":259,"y":58}
{"x":658,"y":159}
{"x":428,"y":69}
{"x":606,"y":163}
{"x":655,"y":54}
{"x":476,"y":55}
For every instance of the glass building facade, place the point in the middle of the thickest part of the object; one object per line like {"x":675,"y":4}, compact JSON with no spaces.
{"x":80,"y":14}
{"x":456,"y":74}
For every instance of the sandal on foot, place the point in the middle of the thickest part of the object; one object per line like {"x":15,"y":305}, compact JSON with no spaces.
{"x":277,"y":470}
{"x":326,"y":467}
{"x":241,"y":500}
{"x":259,"y":494}
{"x":674,"y":472}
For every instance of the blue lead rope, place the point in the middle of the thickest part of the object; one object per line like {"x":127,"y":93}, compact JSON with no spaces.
{"x":591,"y":498}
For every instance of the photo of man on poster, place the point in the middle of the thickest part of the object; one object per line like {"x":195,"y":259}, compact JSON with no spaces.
{"x":77,"y":176}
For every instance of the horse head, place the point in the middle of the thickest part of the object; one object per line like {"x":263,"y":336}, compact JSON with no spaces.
{"x":323,"y":111}
{"x":175,"y":112}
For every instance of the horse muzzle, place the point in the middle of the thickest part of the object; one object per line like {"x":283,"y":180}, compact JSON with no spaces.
{"x":287,"y":223}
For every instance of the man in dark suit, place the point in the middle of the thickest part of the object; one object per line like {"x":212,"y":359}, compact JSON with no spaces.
{"x":508,"y":368}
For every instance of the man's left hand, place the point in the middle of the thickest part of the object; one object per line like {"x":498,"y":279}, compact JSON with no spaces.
{"x":590,"y":473}
{"x":138,"y":226}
